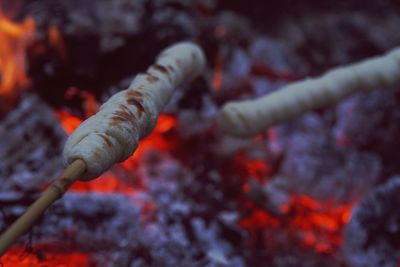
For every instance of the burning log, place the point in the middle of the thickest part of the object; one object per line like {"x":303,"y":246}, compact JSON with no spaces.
{"x":15,"y":40}
{"x":129,"y":115}
{"x":249,"y":118}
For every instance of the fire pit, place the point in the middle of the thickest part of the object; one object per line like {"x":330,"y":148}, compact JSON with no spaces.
{"x":319,"y":190}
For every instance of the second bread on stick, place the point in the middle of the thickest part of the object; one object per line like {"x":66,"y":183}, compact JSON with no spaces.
{"x":252,"y":117}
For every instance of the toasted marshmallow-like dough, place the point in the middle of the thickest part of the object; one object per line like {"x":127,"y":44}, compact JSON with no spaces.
{"x":112,"y":134}
{"x":251,"y":117}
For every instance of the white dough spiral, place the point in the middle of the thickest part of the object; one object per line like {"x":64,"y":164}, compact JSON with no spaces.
{"x":112,"y":134}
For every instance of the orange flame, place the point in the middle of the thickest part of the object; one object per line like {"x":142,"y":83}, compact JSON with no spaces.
{"x":15,"y":38}
{"x":56,"y":41}
{"x":68,"y":121}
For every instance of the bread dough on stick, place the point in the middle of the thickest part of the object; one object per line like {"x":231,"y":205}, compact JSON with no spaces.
{"x":251,"y":117}
{"x":112,"y":134}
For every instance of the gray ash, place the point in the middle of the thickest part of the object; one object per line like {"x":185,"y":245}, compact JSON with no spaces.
{"x":30,"y":144}
{"x":373,"y":234}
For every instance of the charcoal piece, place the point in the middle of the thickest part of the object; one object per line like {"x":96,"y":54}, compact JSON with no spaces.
{"x":315,"y":165}
{"x":31,"y":142}
{"x":372,"y":237}
{"x":371,"y":122}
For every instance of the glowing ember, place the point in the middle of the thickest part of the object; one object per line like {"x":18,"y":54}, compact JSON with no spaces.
{"x":307,"y":221}
{"x":218,"y":77}
{"x":263,"y":70}
{"x":18,"y":257}
{"x":15,"y":38}
{"x":56,"y":41}
{"x":90,"y":103}
{"x":108,"y":183}
{"x":255,"y":168}
{"x":165,"y":123}
{"x":68,"y":121}
{"x":316,"y":224}
{"x":258,"y":219}
{"x":155,"y":141}
{"x":319,"y":224}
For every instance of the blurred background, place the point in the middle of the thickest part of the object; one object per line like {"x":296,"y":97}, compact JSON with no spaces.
{"x":321,"y":190}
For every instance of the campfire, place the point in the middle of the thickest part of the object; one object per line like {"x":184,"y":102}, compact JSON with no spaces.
{"x":318,"y":189}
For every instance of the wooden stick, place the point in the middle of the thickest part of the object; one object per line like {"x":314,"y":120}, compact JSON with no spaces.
{"x":55,"y":191}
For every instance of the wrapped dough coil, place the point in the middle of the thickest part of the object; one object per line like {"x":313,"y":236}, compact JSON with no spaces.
{"x":112,"y":135}
{"x":252,"y":117}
